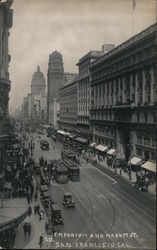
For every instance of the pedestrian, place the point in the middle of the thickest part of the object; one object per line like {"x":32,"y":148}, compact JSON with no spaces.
{"x":29,"y":211}
{"x":36,"y":196}
{"x":120,"y":171}
{"x":35,"y":209}
{"x":38,"y":208}
{"x":29,"y":229}
{"x":28,"y":198}
{"x":25,"y":229}
{"x":41,"y":238}
{"x":54,"y":147}
{"x":40,"y":215}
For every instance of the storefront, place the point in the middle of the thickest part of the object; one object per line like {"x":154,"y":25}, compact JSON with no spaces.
{"x":149,"y":171}
{"x":135,"y":164}
{"x":111,"y":155}
{"x":101,"y":150}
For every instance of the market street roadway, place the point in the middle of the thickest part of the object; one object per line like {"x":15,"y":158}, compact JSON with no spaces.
{"x":106,"y":205}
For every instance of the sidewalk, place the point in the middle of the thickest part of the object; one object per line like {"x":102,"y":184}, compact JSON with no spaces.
{"x":91,"y":160}
{"x":38,"y":228}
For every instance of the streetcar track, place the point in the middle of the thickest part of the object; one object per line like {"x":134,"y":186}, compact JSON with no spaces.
{"x":131,"y":201}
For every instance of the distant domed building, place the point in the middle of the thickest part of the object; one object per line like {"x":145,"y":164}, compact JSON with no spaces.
{"x":38,"y":97}
{"x":38,"y":84}
{"x":55,"y":78}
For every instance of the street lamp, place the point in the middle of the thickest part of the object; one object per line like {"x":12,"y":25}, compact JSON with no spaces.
{"x":129,"y":149}
{"x":31,"y":148}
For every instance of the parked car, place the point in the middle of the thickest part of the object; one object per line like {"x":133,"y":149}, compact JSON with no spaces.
{"x":56,"y":215}
{"x":141,"y":184}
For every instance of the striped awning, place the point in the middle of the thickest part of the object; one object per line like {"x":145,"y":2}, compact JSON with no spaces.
{"x":101,"y":148}
{"x":149,"y":165}
{"x":111,"y":152}
{"x":93,"y":144}
{"x":136,"y":160}
{"x":61,"y":132}
{"x":79,"y":139}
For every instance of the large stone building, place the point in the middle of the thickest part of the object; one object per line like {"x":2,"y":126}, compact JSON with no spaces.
{"x":69,"y":77}
{"x":6,"y":16}
{"x":84,"y":93}
{"x":68,"y":107}
{"x":55,"y":78}
{"x":124,"y":97}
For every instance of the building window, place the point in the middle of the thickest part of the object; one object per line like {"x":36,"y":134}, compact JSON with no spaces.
{"x":145,"y":117}
{"x":153,"y":156}
{"x":153,"y":142}
{"x":154,"y":117}
{"x":139,"y":139}
{"x":146,"y":140}
{"x":139,"y":151}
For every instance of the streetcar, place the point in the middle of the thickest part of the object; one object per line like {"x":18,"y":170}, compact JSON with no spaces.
{"x":44,"y":145}
{"x":68,"y":154}
{"x":61,"y":174}
{"x":73,"y":170}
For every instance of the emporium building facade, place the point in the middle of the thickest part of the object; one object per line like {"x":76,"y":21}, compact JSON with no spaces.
{"x":124,"y":97}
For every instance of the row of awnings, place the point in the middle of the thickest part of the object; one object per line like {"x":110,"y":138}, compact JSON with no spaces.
{"x":79,"y":139}
{"x":148,"y":165}
{"x":103,"y":148}
{"x":61,"y":132}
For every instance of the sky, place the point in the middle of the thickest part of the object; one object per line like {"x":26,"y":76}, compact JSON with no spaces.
{"x":72,"y":27}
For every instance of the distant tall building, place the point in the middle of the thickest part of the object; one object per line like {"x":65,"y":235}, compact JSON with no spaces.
{"x":55,"y":77}
{"x":69,"y":77}
{"x":38,"y":84}
{"x":6,"y":16}
{"x":38,"y":96}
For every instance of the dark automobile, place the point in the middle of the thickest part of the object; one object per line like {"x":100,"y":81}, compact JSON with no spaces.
{"x":43,"y":188}
{"x":67,"y":200}
{"x":141,"y":184}
{"x":45,"y":199}
{"x":56,"y":216}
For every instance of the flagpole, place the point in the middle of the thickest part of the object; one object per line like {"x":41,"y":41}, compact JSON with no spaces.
{"x":132,"y":20}
{"x":105,"y":30}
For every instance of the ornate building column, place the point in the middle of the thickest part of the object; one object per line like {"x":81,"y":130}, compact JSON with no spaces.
{"x":143,"y":87}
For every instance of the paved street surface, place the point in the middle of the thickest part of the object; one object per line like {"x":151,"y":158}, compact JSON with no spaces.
{"x":109,"y":212}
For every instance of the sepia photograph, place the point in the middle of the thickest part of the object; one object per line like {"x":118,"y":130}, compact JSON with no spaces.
{"x":78,"y":124}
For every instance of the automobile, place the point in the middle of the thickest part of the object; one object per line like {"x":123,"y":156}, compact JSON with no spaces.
{"x":46,"y":199}
{"x":67,"y":200}
{"x":43,"y":188}
{"x":54,"y":137}
{"x":44,"y":144}
{"x":141,"y":184}
{"x":37,"y":168}
{"x":44,"y":179}
{"x":56,"y":215}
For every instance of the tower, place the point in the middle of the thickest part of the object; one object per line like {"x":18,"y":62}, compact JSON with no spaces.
{"x":55,"y":78}
{"x":38,"y":84}
{"x":38,"y":96}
